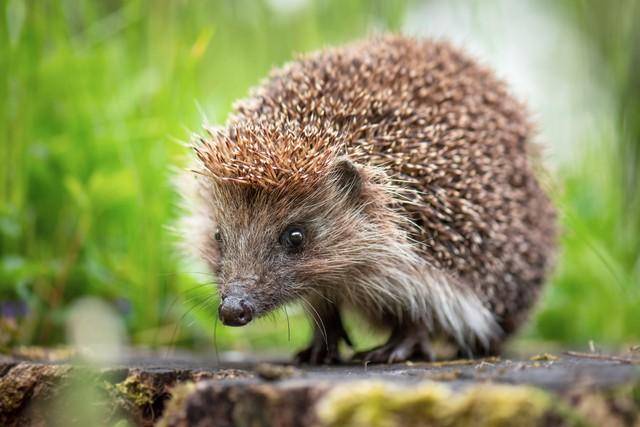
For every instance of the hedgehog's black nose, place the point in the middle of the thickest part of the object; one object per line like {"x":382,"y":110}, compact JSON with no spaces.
{"x":235,"y":311}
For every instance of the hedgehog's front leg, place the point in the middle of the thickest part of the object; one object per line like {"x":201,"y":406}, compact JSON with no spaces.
{"x":328,"y":331}
{"x":406,"y":342}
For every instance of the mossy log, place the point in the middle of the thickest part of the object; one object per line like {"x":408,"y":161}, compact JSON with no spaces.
{"x":565,"y":389}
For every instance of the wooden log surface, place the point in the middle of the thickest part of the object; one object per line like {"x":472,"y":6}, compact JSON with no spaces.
{"x":144,"y":389}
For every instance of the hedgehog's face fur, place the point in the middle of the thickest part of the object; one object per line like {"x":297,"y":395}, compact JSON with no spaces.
{"x":270,"y":247}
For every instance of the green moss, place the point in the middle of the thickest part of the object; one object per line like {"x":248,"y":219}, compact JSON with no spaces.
{"x":375,"y":404}
{"x":8,"y":334}
{"x":136,"y":390}
{"x":635,"y":393}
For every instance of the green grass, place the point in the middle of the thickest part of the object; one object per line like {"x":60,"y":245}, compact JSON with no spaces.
{"x":96,"y":97}
{"x":595,"y":294}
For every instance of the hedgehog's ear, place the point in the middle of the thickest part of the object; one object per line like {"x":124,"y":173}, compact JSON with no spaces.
{"x":348,"y":178}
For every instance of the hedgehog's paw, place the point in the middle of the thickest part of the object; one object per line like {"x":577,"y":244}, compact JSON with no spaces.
{"x":319,"y":353}
{"x":407,"y":344}
{"x":324,"y":348}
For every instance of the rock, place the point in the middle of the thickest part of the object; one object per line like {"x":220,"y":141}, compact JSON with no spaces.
{"x":143,"y":389}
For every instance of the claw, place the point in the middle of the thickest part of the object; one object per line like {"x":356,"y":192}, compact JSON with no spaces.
{"x":321,"y":352}
{"x":318,"y":354}
{"x":403,"y":345}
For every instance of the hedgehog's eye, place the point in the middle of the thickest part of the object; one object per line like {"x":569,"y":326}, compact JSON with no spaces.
{"x":292,"y":238}
{"x":217,"y":235}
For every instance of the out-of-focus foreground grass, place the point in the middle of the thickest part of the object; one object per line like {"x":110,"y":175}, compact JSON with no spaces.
{"x":97,"y":95}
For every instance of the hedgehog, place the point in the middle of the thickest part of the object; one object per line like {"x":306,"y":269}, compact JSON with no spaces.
{"x":394,"y":177}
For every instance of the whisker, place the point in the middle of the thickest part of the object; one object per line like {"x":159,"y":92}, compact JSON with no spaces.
{"x":313,"y":318}
{"x":198,"y":287}
{"x":284,"y":307}
{"x":176,"y":273}
{"x":197,"y":299}
{"x":202,"y":304}
{"x":319,"y":322}
{"x":165,"y":315}
{"x":180,"y":320}
{"x":320,"y":294}
{"x":215,"y":340}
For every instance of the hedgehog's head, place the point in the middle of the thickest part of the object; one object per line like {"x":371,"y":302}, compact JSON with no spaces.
{"x":275,"y":236}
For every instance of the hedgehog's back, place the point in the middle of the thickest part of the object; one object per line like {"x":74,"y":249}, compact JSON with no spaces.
{"x":450,"y":132}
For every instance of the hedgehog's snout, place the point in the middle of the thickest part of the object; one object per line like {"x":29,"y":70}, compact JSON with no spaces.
{"x":235,"y":311}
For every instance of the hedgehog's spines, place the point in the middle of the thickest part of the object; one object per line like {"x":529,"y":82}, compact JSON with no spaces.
{"x":447,"y":138}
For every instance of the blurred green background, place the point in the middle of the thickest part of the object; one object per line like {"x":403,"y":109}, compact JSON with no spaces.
{"x":97,"y":95}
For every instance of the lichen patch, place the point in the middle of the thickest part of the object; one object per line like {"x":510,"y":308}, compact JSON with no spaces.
{"x":376,"y":404}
